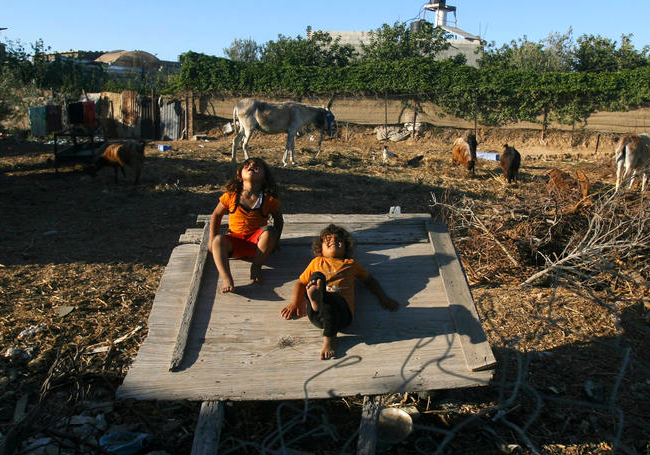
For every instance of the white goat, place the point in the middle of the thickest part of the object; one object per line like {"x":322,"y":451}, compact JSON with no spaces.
{"x":632,"y":154}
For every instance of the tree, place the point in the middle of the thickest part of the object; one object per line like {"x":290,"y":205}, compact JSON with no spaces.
{"x":318,"y":49}
{"x":16,"y":73}
{"x":243,"y":50}
{"x":397,"y":42}
{"x":553,"y":53}
{"x":596,"y":53}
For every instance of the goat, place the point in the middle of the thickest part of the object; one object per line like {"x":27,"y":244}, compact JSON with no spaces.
{"x":464,"y":151}
{"x":509,"y":162}
{"x":632,"y":154}
{"x":118,"y":155}
{"x":274,"y":118}
{"x":561,"y":183}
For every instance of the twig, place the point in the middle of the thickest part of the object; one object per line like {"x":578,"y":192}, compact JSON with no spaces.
{"x":486,"y":230}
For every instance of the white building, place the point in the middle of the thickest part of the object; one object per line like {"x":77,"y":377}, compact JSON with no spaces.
{"x":461,"y":41}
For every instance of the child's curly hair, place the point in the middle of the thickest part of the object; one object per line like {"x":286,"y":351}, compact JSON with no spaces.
{"x":269,"y":187}
{"x":332,"y":229}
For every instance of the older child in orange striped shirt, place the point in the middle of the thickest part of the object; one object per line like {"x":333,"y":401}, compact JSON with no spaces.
{"x":249,"y":200}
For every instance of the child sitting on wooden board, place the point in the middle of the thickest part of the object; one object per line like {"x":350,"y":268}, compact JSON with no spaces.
{"x":328,"y":285}
{"x":249,"y":200}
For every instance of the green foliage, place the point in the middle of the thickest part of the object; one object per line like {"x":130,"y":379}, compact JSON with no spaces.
{"x":553,"y":53}
{"x":595,"y":53}
{"x":400,"y":42}
{"x":243,"y":50}
{"x":494,"y":94}
{"x":16,"y":75}
{"x":318,"y":49}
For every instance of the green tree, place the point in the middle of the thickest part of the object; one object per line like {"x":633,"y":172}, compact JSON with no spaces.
{"x":398,"y":42}
{"x":595,"y":53}
{"x":553,"y":53}
{"x":243,"y":50}
{"x":318,"y":49}
{"x":16,"y":86}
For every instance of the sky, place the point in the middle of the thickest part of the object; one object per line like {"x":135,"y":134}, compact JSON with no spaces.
{"x":168,"y":29}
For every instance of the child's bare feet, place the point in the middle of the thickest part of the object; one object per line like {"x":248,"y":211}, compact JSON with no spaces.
{"x":327,"y":351}
{"x":314,"y":294}
{"x":256,"y":273}
{"x":227,"y":285}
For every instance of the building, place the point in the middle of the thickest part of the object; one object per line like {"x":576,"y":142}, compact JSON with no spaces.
{"x":461,"y":41}
{"x":118,"y":62}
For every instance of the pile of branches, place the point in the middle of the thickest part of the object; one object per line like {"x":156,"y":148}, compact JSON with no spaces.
{"x":596,"y":242}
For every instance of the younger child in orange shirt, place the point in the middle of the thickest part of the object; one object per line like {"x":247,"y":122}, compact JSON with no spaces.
{"x":328,"y":284}
{"x":249,"y":199}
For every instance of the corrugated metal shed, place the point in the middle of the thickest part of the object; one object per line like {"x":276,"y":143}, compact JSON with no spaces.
{"x":108,"y":109}
{"x":53,"y":118}
{"x":130,"y":114}
{"x":37,"y":121}
{"x":170,"y":120}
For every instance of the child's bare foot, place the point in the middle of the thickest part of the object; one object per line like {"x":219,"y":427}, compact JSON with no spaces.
{"x":256,"y":273}
{"x":314,"y":294}
{"x":227,"y":286}
{"x":327,"y":351}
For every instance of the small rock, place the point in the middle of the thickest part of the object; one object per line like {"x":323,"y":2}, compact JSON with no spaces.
{"x":64,"y":310}
{"x":32,"y":330}
{"x":81,"y":420}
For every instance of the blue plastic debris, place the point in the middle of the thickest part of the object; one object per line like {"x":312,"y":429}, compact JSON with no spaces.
{"x":164,"y":148}
{"x":124,"y":442}
{"x":488,"y":156}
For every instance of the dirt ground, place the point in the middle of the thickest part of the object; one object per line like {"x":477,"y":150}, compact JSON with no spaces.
{"x":81,"y":258}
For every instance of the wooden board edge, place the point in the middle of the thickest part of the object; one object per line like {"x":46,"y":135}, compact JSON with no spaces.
{"x":190,"y":303}
{"x":367,"y":441}
{"x":208,"y":428}
{"x":476,"y":348}
{"x":320,"y":218}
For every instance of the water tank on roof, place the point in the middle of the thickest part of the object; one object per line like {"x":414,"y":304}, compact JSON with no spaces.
{"x":418,"y":25}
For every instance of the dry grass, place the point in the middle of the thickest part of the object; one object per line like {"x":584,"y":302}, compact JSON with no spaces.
{"x":573,"y":373}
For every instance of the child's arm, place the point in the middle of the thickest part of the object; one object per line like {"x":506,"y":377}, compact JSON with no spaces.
{"x":215,"y":222}
{"x":278,"y":224}
{"x":385,"y":301}
{"x":298,"y":296}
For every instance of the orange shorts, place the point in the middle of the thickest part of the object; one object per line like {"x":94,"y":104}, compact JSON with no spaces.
{"x":245,"y":245}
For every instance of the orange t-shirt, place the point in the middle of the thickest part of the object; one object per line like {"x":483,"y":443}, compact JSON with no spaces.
{"x":339,"y":273}
{"x":243,"y":220}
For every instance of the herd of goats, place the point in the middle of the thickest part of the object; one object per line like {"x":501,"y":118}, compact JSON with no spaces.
{"x":632,"y":153}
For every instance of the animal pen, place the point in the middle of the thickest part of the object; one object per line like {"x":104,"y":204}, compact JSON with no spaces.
{"x":212,"y":347}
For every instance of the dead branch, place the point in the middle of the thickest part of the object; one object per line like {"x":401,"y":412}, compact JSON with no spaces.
{"x":613,"y":231}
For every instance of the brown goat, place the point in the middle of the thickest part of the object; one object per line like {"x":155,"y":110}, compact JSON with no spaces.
{"x":464,"y":151}
{"x":118,"y":155}
{"x":509,"y":162}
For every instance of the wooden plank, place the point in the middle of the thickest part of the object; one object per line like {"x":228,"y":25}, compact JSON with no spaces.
{"x":208,"y":429}
{"x":319,"y":218}
{"x":304,"y":233}
{"x":239,"y":348}
{"x":477,"y":350}
{"x":367,"y":442}
{"x":188,"y":313}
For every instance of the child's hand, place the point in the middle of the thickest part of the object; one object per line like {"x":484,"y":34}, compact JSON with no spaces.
{"x":291,"y":310}
{"x":389,"y":304}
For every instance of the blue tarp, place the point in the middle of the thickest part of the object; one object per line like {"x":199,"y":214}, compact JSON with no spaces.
{"x":488,"y":156}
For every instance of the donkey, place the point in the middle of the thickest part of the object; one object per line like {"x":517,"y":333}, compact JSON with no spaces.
{"x":274,"y":118}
